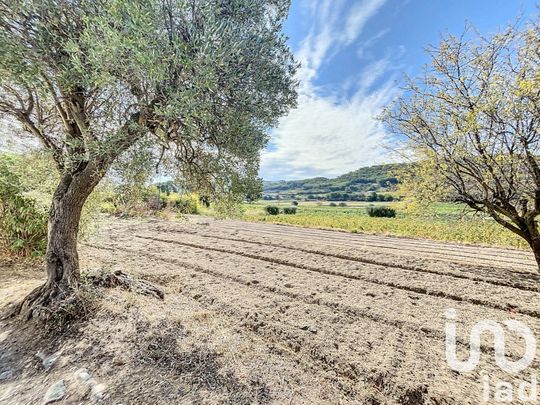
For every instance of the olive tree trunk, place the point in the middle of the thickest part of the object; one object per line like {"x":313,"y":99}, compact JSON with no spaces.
{"x":62,"y":260}
{"x":535,"y":245}
{"x":533,"y":238}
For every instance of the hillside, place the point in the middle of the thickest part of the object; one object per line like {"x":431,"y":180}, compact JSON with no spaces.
{"x":357,"y":185}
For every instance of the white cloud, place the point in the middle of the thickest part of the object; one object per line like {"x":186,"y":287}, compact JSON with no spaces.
{"x":331,"y":31}
{"x":358,"y":16}
{"x":362,"y":50}
{"x":324,"y":137}
{"x":329,"y":135}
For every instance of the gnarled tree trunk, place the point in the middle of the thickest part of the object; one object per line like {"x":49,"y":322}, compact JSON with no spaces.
{"x":62,"y":260}
{"x":533,"y":238}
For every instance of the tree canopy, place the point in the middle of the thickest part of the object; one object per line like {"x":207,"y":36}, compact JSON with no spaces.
{"x":202,"y":80}
{"x":473,"y":121}
{"x":206,"y":79}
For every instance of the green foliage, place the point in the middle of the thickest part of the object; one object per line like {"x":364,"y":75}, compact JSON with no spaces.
{"x":23,"y":226}
{"x":200,"y":81}
{"x":167,"y":187}
{"x":289,"y":210}
{"x":442,"y":221}
{"x":272,"y":210}
{"x":381,"y":212}
{"x":253,"y":189}
{"x":132,"y":172}
{"x":332,"y":204}
{"x":342,"y":204}
{"x":184,"y":203}
{"x":470,"y":120}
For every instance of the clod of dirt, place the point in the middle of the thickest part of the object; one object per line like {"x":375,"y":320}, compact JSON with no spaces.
{"x":309,"y":328}
{"x":55,"y":392}
{"x":414,"y":396}
{"x":121,"y":279}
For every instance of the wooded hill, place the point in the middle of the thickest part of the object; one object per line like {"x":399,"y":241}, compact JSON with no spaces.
{"x":358,"y":185}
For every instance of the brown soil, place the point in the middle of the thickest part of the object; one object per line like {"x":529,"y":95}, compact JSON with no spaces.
{"x":258,"y":313}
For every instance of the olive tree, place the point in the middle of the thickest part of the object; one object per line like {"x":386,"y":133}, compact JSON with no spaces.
{"x":474,"y":115}
{"x":90,"y":79}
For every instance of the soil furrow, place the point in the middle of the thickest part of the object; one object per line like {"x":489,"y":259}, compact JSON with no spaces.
{"x":418,"y":290}
{"x":400,"y":241}
{"x":262,"y":317}
{"x":468,"y":276}
{"x":271,"y":286}
{"x":446,"y":254}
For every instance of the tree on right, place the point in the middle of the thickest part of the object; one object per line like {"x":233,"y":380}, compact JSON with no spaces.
{"x":473,"y":118}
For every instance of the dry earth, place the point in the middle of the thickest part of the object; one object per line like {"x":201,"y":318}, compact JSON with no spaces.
{"x":259,"y":313}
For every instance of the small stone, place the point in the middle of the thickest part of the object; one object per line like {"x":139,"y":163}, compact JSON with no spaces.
{"x":55,"y":392}
{"x":309,"y":328}
{"x":6,"y":374}
{"x":98,"y":391}
{"x":82,"y":375}
{"x":47,"y":361}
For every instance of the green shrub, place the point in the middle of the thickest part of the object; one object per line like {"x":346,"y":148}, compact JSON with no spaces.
{"x":272,"y":210}
{"x":342,"y":204}
{"x":187,"y":205}
{"x":289,"y":210}
{"x":294,"y":202}
{"x":23,"y":227}
{"x":108,"y":207}
{"x":332,"y":204}
{"x":381,"y":212}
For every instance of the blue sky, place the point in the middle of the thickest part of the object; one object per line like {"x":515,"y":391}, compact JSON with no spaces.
{"x":354,"y":54}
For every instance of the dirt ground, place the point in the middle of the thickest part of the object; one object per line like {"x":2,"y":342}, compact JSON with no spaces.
{"x":260,"y":313}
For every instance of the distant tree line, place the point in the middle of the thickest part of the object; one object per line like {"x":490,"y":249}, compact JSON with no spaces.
{"x":336,"y":196}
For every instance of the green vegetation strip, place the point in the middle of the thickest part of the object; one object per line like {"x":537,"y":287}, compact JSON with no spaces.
{"x":444,"y":222}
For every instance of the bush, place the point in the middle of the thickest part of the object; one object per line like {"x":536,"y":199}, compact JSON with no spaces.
{"x":186,"y":205}
{"x":332,"y":204}
{"x":289,"y":210}
{"x":23,"y":227}
{"x":342,"y":204}
{"x":381,"y":212}
{"x":295,"y":203}
{"x":271,"y":210}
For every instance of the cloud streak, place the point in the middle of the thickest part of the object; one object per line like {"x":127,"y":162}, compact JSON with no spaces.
{"x":330,"y":134}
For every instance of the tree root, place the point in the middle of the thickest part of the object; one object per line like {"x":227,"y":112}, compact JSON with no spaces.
{"x":121,"y":279}
{"x":46,"y":301}
{"x":41,"y":302}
